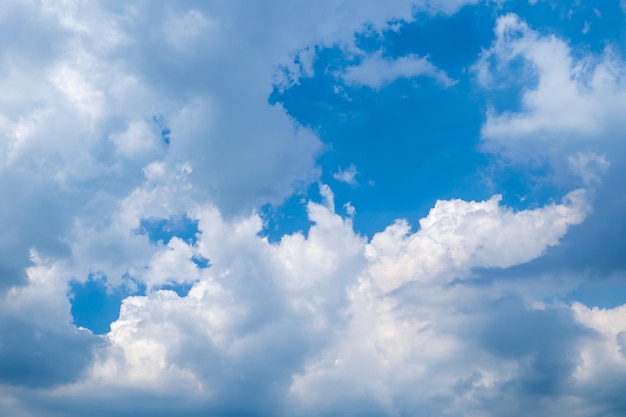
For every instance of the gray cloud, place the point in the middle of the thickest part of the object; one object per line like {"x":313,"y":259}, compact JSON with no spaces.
{"x":36,"y":356}
{"x":544,"y":340}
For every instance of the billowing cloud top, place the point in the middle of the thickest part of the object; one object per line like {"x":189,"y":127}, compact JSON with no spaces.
{"x":291,"y":208}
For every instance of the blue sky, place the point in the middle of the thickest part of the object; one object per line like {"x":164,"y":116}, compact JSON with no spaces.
{"x":331,"y":208}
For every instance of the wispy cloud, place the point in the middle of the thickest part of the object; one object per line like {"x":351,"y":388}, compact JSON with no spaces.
{"x":347,"y":175}
{"x":376,"y":71}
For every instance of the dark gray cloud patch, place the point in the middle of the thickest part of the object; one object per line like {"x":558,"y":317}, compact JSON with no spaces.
{"x":597,"y":245}
{"x":23,"y":226}
{"x":543,"y":342}
{"x":37,"y":356}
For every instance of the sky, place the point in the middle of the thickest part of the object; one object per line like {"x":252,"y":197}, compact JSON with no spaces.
{"x":313,"y":208}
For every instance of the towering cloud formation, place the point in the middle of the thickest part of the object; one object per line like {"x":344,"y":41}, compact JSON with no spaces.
{"x":322,"y":322}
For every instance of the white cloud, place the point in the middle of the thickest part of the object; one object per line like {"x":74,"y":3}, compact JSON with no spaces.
{"x":81,"y":86}
{"x":349,"y":208}
{"x":375,"y":71}
{"x":356,"y":318}
{"x":72,"y":83}
{"x":173,"y":264}
{"x":602,"y":360}
{"x":586,"y":27}
{"x":590,"y":167}
{"x":457,"y":236}
{"x":316,"y":317}
{"x":183,"y":29}
{"x":136,"y":139}
{"x":347,"y":175}
{"x":327,"y":197}
{"x":574,"y":99}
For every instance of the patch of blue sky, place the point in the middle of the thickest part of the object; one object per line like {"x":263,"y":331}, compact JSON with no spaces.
{"x":289,"y":217}
{"x":601,"y":293}
{"x":181,"y":289}
{"x":95,"y":305}
{"x":453,"y":43}
{"x":589,"y":26}
{"x":200,"y":261}
{"x":164,"y":229}
{"x":161,"y":124}
{"x":413,"y":141}
{"x":450,"y":42}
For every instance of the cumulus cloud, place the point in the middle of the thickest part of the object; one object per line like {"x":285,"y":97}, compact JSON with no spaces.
{"x":457,"y":235}
{"x":320,"y":323}
{"x":88,"y":85}
{"x":569,"y":119}
{"x":567,"y":99}
{"x":114,"y":113}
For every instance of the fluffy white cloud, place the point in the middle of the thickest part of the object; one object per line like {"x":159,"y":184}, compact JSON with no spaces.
{"x":457,"y":236}
{"x":312,"y":323}
{"x":567,"y":124}
{"x":118,"y":112}
{"x":91,"y":96}
{"x":610,"y":324}
{"x":602,"y":364}
{"x":566,"y":101}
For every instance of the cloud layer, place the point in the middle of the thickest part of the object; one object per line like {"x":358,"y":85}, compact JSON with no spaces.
{"x":323,"y":322}
{"x":117,"y":118}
